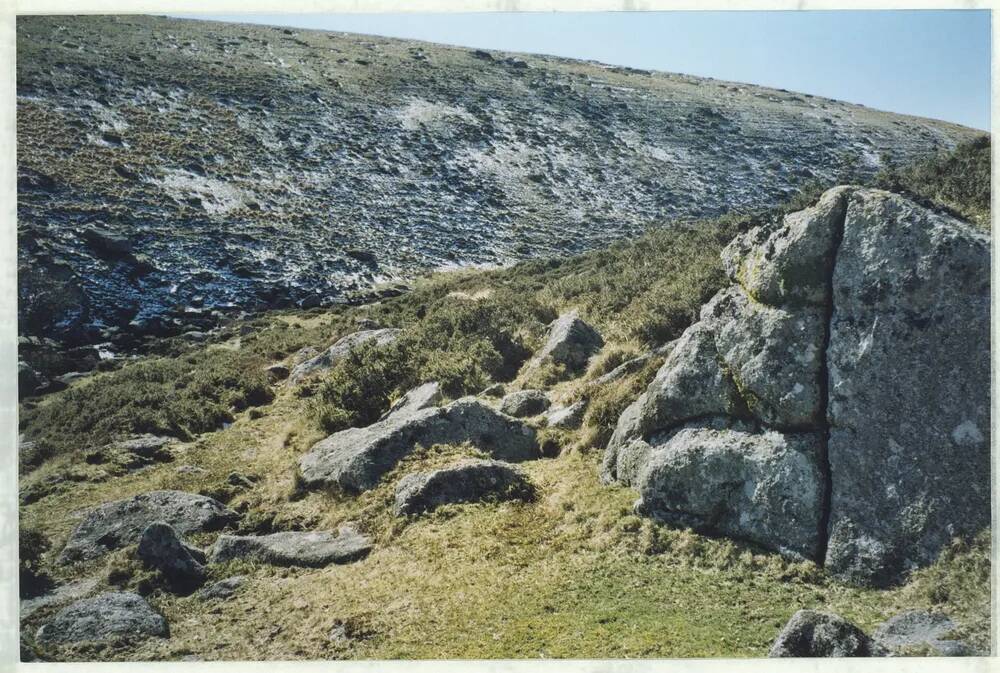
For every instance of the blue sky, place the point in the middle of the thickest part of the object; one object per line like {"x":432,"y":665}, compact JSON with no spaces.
{"x":926,"y":63}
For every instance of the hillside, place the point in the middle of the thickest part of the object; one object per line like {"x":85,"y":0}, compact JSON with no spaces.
{"x":571,"y":571}
{"x":171,"y":172}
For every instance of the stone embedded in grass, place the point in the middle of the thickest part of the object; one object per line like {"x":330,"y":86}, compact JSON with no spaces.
{"x":311,"y":549}
{"x":355,"y":459}
{"x":120,"y":523}
{"x":339,"y":350}
{"x":161,"y":549}
{"x":523,"y":403}
{"x":567,"y":418}
{"x":106,"y":616}
{"x":135,"y":452}
{"x":466,"y":481}
{"x":810,"y":633}
{"x":571,"y":343}
{"x":223,"y":588}
{"x":922,"y":631}
{"x":421,"y":397}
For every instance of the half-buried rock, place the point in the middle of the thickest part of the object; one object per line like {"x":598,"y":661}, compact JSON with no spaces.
{"x":160,"y":548}
{"x":339,"y":350}
{"x":310,"y":549}
{"x":524,"y":403}
{"x":103,"y":617}
{"x":120,"y":523}
{"x":468,"y":480}
{"x":355,"y":459}
{"x":810,"y":633}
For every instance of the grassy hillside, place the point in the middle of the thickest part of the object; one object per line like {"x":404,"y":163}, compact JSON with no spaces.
{"x":573,"y":574}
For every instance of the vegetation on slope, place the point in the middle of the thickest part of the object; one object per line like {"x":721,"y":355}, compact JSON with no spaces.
{"x":579,"y":574}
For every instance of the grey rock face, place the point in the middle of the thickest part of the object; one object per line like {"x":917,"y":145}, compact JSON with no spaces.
{"x":571,"y":343}
{"x":293,"y":548}
{"x":909,"y":364}
{"x":843,"y":327}
{"x":120,"y":523}
{"x":109,"y":615}
{"x":820,"y":634}
{"x":356,"y":458}
{"x":729,"y":478}
{"x":160,"y":548}
{"x":60,"y":595}
{"x":920,"y":631}
{"x":339,"y":350}
{"x":223,"y":588}
{"x":524,"y":403}
{"x":465,"y":481}
{"x":567,"y":418}
{"x":421,"y":397}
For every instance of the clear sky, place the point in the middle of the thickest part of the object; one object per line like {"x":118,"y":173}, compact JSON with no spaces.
{"x":926,"y":63}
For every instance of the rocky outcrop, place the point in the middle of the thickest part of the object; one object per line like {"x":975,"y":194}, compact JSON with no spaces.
{"x":160,"y":548}
{"x":310,"y":549}
{"x":570,"y":344}
{"x":339,"y":350}
{"x":799,"y":413}
{"x":918,"y":632}
{"x":356,"y":458}
{"x":523,"y":403}
{"x":109,"y":615}
{"x":466,"y":481}
{"x":820,"y":634}
{"x":120,"y":523}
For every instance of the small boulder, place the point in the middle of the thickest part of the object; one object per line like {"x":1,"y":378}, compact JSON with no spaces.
{"x":466,"y":481}
{"x":120,"y":523}
{"x":919,"y":632}
{"x":223,"y":588}
{"x":810,"y":633}
{"x":567,"y":418}
{"x":571,"y":343}
{"x":294,"y":548}
{"x":421,"y":397}
{"x":339,"y":350}
{"x":524,"y":403}
{"x":106,"y":616}
{"x":161,"y":549}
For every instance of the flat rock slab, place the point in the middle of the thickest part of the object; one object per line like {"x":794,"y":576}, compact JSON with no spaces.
{"x":921,"y":631}
{"x":810,"y":633}
{"x":120,"y":523}
{"x":106,"y":616}
{"x":524,"y":403}
{"x":466,"y":481}
{"x":223,"y":588}
{"x":355,"y":459}
{"x":339,"y":350}
{"x":313,"y":549}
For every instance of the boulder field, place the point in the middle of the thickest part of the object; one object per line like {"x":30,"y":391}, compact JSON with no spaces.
{"x":832,"y":403}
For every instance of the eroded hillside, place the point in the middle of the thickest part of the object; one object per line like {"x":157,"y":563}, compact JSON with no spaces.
{"x":170,"y":170}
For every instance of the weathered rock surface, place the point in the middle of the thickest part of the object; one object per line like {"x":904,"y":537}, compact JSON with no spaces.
{"x":523,"y":403}
{"x":161,"y":549}
{"x":120,"y":523}
{"x":567,"y":418}
{"x":311,"y":549}
{"x":810,"y":633}
{"x":339,"y":350}
{"x":109,"y":615}
{"x":841,"y":328}
{"x":570,"y":343}
{"x":223,"y":588}
{"x":465,"y":481}
{"x":909,"y":410}
{"x":59,"y":595}
{"x":920,"y":632}
{"x":730,"y":478}
{"x":134,"y":452}
{"x":421,"y":397}
{"x":356,"y":458}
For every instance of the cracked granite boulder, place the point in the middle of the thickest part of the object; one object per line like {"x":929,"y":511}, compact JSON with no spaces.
{"x":356,"y":458}
{"x":858,"y":328}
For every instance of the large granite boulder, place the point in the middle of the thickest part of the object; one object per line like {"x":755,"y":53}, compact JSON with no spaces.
{"x":810,"y":633}
{"x":340,"y":350}
{"x":355,"y":459}
{"x":466,"y":481}
{"x":571,"y":342}
{"x":103,"y":617}
{"x":311,"y":549}
{"x":860,"y":327}
{"x":120,"y":523}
